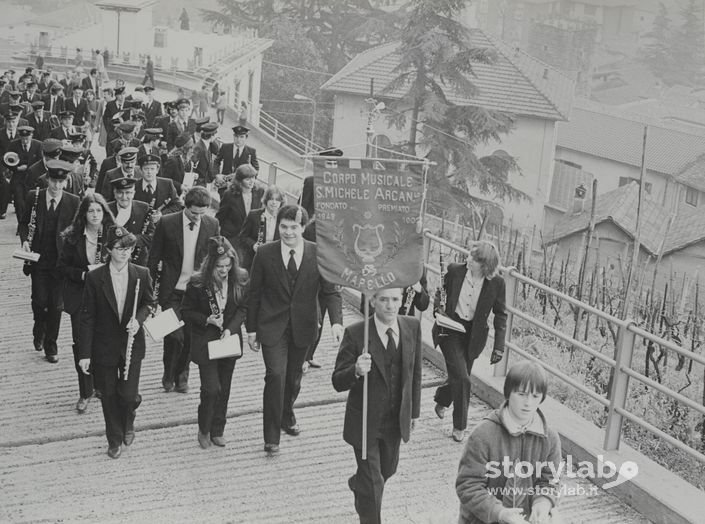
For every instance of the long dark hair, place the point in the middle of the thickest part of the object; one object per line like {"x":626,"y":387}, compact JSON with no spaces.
{"x":74,"y":232}
{"x":237,"y":275}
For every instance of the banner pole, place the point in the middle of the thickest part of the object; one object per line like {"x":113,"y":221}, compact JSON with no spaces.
{"x":365,"y":350}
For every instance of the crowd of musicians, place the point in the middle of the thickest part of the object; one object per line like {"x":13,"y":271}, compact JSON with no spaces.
{"x":139,"y":233}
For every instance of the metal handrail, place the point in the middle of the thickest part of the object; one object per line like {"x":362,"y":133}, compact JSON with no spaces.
{"x":296,"y":141}
{"x":616,"y":400}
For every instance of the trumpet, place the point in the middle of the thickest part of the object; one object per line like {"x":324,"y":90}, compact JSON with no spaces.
{"x":11,"y":159}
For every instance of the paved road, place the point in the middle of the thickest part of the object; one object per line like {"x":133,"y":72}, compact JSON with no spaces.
{"x":53,"y":466}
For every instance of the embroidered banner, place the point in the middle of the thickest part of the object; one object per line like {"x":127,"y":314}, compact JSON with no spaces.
{"x":368,"y":228}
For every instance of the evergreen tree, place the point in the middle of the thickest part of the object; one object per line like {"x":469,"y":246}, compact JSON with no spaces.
{"x":688,"y":47}
{"x":436,"y":66}
{"x":656,"y":53}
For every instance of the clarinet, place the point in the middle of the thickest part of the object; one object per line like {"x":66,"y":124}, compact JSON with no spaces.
{"x":32,"y":228}
{"x":99,"y":247}
{"x":131,"y":339}
{"x":157,"y":281}
{"x":147,"y":219}
{"x":260,"y":232}
{"x":442,"y":295}
{"x":410,"y":295}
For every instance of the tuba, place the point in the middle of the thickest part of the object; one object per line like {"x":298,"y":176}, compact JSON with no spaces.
{"x":11,"y":159}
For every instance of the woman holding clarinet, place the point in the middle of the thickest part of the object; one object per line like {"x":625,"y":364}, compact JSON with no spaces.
{"x":117,"y":298}
{"x":214,"y":307}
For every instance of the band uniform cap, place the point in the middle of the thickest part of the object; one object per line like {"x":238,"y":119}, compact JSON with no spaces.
{"x":154,"y":132}
{"x":139,"y":115}
{"x":128,"y":153}
{"x":14,"y":94}
{"x":149,"y":159}
{"x":25,"y":130}
{"x":58,"y":169}
{"x":126,"y":127}
{"x":51,"y":145}
{"x":76,"y":136}
{"x":240,"y":130}
{"x":182,"y":140}
{"x":218,"y":246}
{"x":78,"y":87}
{"x":70,"y":153}
{"x":209,"y":129}
{"x":31,"y":84}
{"x":170,"y":104}
{"x":200,"y":122}
{"x":114,"y":234}
{"x":15,"y":108}
{"x":55,"y":88}
{"x":183,"y":101}
{"x":123,"y":183}
{"x":66,"y":114}
{"x":38,"y":104}
{"x":119,"y":90}
{"x":139,"y":88}
{"x":148,"y":88}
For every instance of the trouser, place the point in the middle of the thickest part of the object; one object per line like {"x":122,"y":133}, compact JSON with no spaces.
{"x":18,"y":196}
{"x":149,"y":77}
{"x":368,"y":481}
{"x":85,"y":382}
{"x":312,"y":349}
{"x":216,"y":377}
{"x":282,"y":383}
{"x":5,"y":192}
{"x":456,"y":390}
{"x":220,"y":114}
{"x":177,"y":347}
{"x":120,"y":399}
{"x":46,"y":308}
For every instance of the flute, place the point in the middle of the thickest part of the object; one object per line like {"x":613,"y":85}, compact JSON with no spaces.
{"x":131,"y":339}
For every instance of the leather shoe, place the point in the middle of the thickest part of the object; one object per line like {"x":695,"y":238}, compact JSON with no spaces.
{"x":52,"y":358}
{"x":38,"y":345}
{"x":271,"y":448}
{"x":168,"y":386}
{"x":181,"y":388}
{"x":204,"y":439}
{"x":440,"y":410}
{"x":82,"y":404}
{"x":294,"y":430}
{"x":115,"y":452}
{"x":314,"y":364}
{"x":97,"y":394}
{"x":129,"y":438}
{"x":458,"y":434}
{"x":218,"y":441}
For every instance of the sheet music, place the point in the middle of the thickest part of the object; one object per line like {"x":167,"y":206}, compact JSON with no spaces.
{"x":225,"y":348}
{"x":161,"y":325}
{"x":189,"y":179}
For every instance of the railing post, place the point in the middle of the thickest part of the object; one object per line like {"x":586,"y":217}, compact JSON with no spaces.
{"x":276,"y":129}
{"x":620,"y":386}
{"x":272,"y":176}
{"x":510,"y":282}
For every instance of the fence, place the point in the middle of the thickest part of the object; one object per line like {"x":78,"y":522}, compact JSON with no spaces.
{"x":621,"y":370}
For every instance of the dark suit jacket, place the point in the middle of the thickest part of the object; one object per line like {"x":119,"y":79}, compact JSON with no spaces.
{"x":168,"y":247}
{"x":273,"y":304}
{"x":163,"y":191}
{"x":174,"y":169}
{"x":87,"y":84}
{"x":306,"y":200}
{"x":203,"y":161}
{"x":103,"y":335}
{"x":80,"y":111}
{"x":344,"y":379}
{"x":73,"y":264}
{"x":59,"y":133}
{"x":106,"y":188}
{"x":135,"y":225}
{"x":492,"y":298}
{"x":66,"y":209}
{"x":173,"y":131}
{"x":43,"y":128}
{"x":58,"y":107}
{"x":151,"y":112}
{"x":231,"y":213}
{"x":27,"y":158}
{"x":226,"y":164}
{"x":249,"y":234}
{"x":195,"y":310}
{"x":35,"y":176}
{"x":110,"y":109}
{"x":5,"y":142}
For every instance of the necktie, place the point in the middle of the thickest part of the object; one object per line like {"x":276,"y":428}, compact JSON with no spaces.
{"x":26,"y":149}
{"x":237,"y":152}
{"x":291,"y":266}
{"x":52,"y":206}
{"x":191,"y":225}
{"x":391,"y":345}
{"x":150,"y":191}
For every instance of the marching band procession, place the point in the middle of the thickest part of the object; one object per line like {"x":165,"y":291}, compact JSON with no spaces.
{"x":172,"y":236}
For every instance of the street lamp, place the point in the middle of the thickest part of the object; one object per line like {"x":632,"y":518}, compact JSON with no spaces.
{"x":313,"y":118}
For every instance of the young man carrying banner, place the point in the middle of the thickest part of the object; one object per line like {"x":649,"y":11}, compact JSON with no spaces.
{"x":283,"y":316}
{"x":393,"y":369}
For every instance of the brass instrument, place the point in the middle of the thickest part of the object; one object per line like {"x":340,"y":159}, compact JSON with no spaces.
{"x":260,"y":232}
{"x":410,"y":295}
{"x":11,"y":159}
{"x":131,"y":339}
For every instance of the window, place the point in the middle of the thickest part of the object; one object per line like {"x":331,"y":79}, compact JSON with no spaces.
{"x":160,"y":38}
{"x":691,"y":197}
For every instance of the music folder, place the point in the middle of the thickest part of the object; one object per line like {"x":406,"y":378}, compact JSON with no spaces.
{"x":446,"y":322}
{"x":161,"y":325}
{"x":21,"y":254}
{"x":225,"y":348}
{"x":189,"y":179}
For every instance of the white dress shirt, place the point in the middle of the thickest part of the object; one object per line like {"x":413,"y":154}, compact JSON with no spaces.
{"x":57,"y":199}
{"x":189,"y":260}
{"x":270,"y":225}
{"x":247,"y":200}
{"x":123,"y":215}
{"x":382,"y":332}
{"x":469,"y":294}
{"x":120,"y":281}
{"x":298,"y":253}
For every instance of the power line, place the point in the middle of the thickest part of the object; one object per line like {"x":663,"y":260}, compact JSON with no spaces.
{"x":296,"y":68}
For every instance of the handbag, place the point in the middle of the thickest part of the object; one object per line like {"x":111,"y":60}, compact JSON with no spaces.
{"x":227,"y":347}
